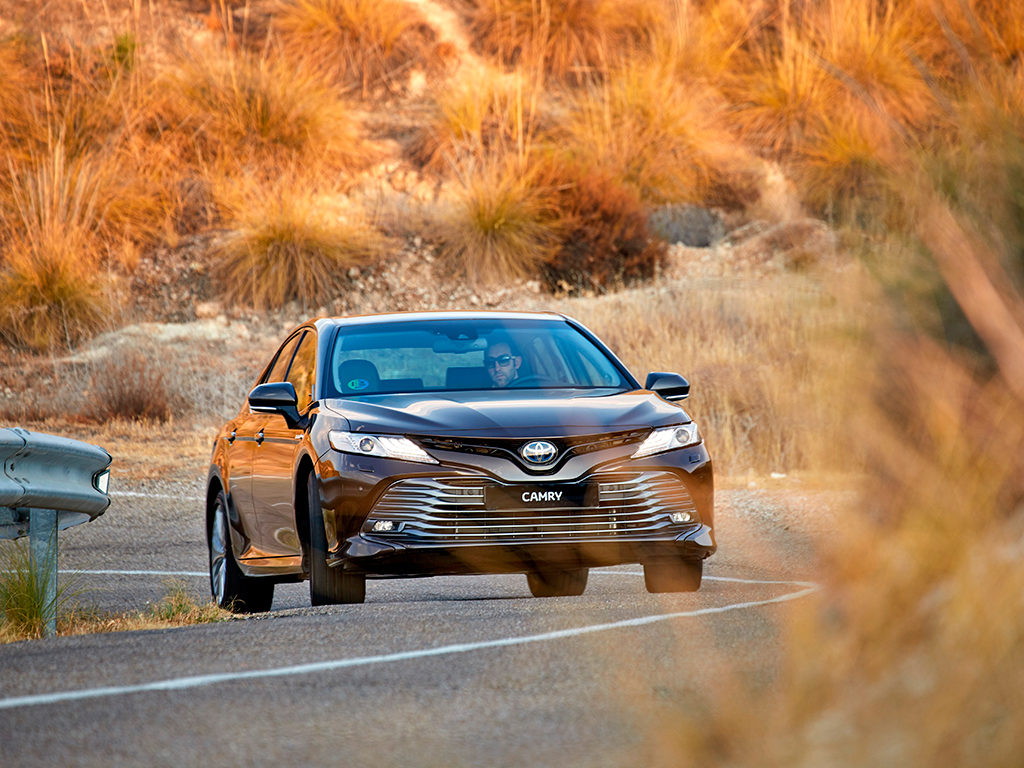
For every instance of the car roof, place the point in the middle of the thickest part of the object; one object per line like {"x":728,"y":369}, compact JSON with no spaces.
{"x":399,"y":317}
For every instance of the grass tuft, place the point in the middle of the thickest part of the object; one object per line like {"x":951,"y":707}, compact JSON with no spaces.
{"x":669,"y":141}
{"x":289,"y":243}
{"x":362,"y":43}
{"x":179,"y":608}
{"x":574,"y":40}
{"x":23,"y":604}
{"x":244,"y":110}
{"x":483,"y":117}
{"x":499,"y":223}
{"x":50,"y":295}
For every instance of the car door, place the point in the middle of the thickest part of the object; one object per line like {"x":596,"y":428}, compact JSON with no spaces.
{"x":273,"y":478}
{"x":244,"y":449}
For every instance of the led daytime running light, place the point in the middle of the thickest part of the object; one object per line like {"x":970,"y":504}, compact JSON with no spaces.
{"x":667,"y":439}
{"x":387,"y":446}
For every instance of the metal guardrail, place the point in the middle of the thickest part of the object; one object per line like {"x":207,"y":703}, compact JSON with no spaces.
{"x":48,"y":484}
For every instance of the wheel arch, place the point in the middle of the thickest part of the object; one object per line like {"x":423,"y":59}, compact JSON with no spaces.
{"x":303,"y":470}
{"x":213,"y":488}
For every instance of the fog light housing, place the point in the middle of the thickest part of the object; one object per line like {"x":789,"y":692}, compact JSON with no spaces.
{"x":384,"y":526}
{"x":681,"y":517}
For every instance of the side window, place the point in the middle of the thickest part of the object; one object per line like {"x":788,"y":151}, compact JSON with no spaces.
{"x":301,"y":374}
{"x":280,"y":366}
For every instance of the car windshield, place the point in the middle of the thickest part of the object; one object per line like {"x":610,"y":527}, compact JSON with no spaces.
{"x":466,"y":354}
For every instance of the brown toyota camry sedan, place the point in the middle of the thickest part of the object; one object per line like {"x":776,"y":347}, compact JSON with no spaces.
{"x":420,"y":444}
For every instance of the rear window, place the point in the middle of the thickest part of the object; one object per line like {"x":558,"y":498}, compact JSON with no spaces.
{"x":457,"y":355}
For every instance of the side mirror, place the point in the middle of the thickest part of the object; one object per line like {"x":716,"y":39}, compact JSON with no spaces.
{"x":276,"y":397}
{"x":670,"y":386}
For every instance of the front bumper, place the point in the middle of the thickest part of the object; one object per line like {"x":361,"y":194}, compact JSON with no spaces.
{"x":372,"y":556}
{"x":450,"y":523}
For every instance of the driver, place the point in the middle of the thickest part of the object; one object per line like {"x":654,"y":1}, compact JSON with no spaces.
{"x":502,"y":362}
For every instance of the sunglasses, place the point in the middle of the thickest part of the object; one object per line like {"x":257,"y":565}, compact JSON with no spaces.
{"x":502,"y":360}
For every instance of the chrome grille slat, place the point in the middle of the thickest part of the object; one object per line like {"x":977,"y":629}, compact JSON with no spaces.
{"x":433,"y":511}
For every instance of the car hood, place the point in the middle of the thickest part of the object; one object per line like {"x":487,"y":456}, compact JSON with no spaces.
{"x":520,"y":414}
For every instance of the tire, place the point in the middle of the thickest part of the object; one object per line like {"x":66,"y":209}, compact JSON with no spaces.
{"x":327,"y":586}
{"x":569,"y":583}
{"x":232,"y":589}
{"x":678,"y":576}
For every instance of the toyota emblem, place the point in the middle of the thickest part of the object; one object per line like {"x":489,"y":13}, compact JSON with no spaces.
{"x":538,"y":452}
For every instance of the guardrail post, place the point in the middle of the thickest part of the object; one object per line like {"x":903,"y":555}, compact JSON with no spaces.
{"x":48,"y":483}
{"x":42,"y":536}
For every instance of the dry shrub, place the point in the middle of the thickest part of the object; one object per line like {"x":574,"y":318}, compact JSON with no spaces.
{"x":875,"y":50}
{"x":668,"y":140}
{"x":605,"y":242}
{"x":49,"y":299}
{"x":480,"y":117}
{"x":244,"y":110}
{"x":50,"y":292}
{"x":287,"y":242}
{"x":362,"y":43}
{"x":779,"y":92}
{"x":569,"y":39}
{"x":842,"y":165}
{"x":498,"y":224}
{"x":133,"y":383}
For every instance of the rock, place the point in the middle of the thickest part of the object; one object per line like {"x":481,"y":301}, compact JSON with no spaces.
{"x":208,"y":309}
{"x":690,"y":225}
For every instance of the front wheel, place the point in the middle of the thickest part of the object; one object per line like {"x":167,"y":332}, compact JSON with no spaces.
{"x":327,"y":586}
{"x":570,"y":583}
{"x":673,"y":576}
{"x":231,"y":588}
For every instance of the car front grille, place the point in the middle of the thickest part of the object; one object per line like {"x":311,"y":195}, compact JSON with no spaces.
{"x":508,"y":447}
{"x":453,"y":510}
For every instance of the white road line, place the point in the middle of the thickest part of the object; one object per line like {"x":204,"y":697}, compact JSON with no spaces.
{"x":714,"y":578}
{"x":103,"y":572}
{"x":197,"y":681}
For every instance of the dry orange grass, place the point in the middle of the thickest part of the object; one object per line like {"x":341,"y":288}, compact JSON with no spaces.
{"x":498,"y":223}
{"x":768,"y":361}
{"x":669,"y":140}
{"x":365,"y":44}
{"x":290,"y":242}
{"x":491,"y":115}
{"x":19,"y":83}
{"x":243,"y":110}
{"x":50,"y":249}
{"x":780,"y":93}
{"x":569,"y":39}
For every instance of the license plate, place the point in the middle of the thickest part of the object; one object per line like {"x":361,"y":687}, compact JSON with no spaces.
{"x":535,"y":496}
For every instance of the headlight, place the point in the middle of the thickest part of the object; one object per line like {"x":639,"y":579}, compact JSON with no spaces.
{"x":389,"y":446}
{"x":668,"y":438}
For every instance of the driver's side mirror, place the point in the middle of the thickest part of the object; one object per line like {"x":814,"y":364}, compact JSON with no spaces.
{"x":670,"y":386}
{"x":276,"y":397}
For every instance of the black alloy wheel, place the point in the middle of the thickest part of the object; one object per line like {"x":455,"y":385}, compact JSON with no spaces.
{"x":570,"y":583}
{"x":677,"y":576}
{"x":327,"y":586}
{"x":231,"y":588}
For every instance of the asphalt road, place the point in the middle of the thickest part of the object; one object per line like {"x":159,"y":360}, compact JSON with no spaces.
{"x":428,"y":672}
